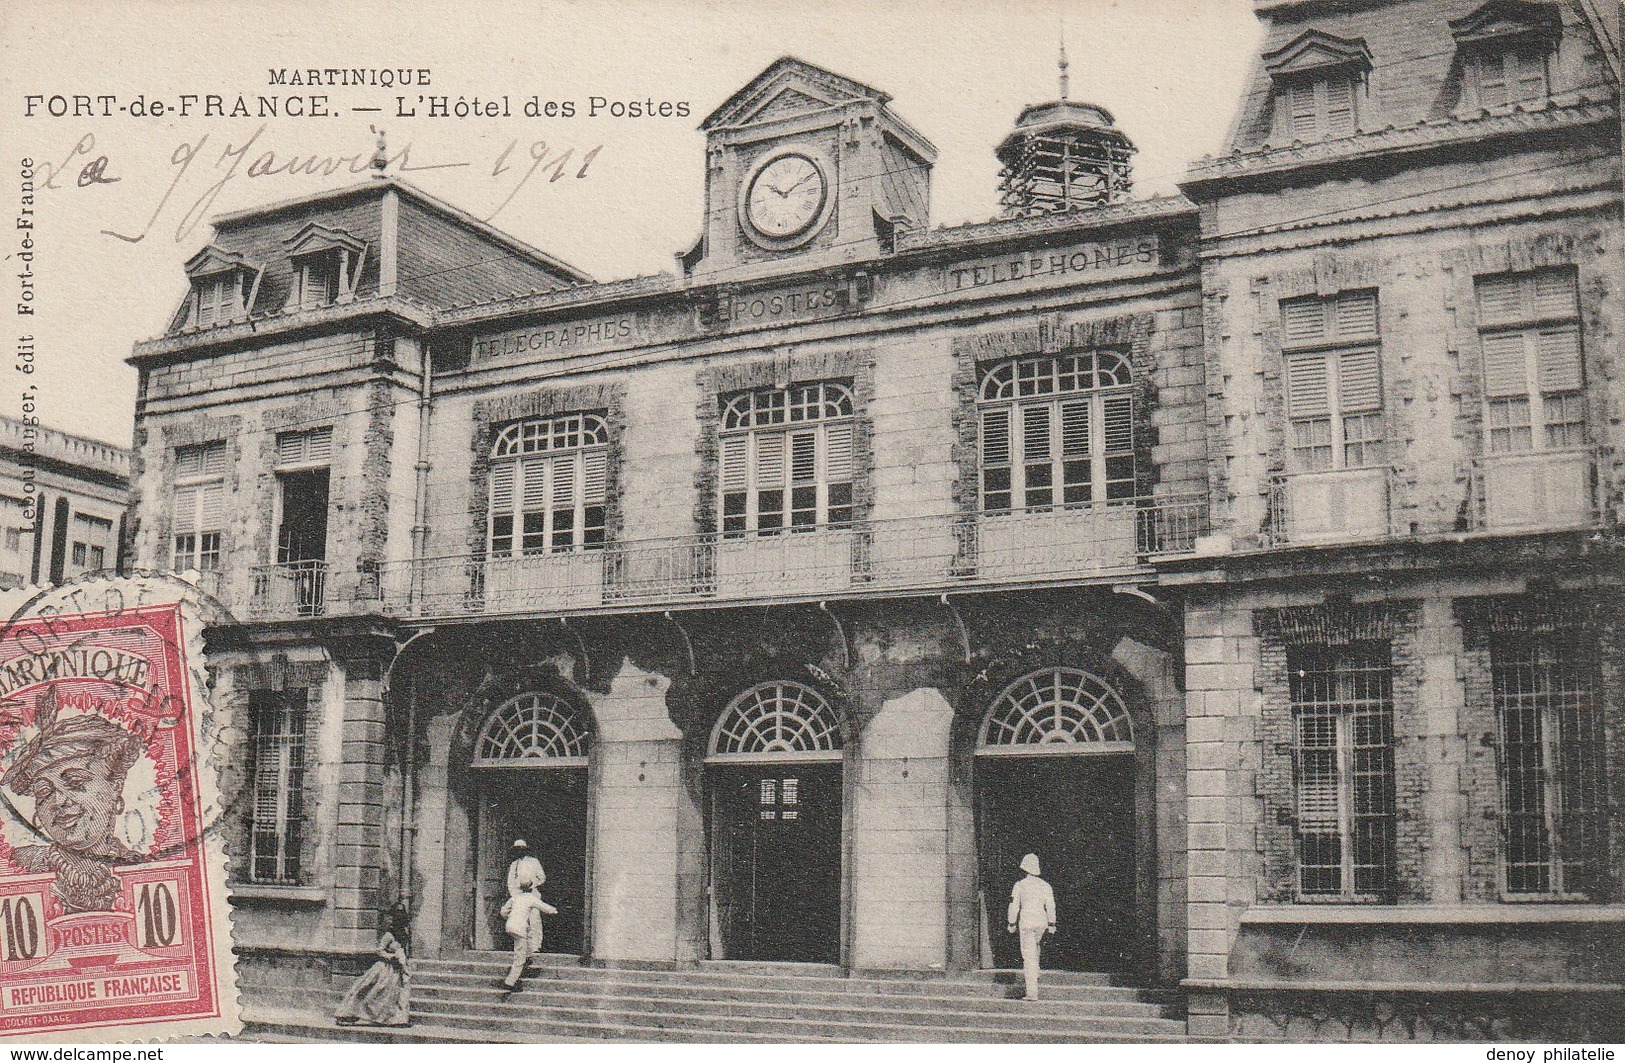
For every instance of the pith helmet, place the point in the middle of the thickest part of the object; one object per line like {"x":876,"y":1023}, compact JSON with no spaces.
{"x":1029,"y":864}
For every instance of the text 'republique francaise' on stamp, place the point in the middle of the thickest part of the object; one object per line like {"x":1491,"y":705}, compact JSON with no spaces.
{"x":115,"y":922}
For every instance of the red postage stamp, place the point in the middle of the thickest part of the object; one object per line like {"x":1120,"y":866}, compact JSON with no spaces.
{"x":112,"y":906}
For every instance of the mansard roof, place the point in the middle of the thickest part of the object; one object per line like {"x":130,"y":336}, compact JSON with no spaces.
{"x":1315,"y":49}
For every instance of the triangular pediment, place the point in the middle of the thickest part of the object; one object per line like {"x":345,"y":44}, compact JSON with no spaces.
{"x":790,"y":86}
{"x":213,"y":259}
{"x":1317,"y":50}
{"x":316,"y":237}
{"x":1505,"y":19}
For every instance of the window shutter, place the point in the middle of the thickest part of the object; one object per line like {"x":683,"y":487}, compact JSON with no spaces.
{"x":502,"y":487}
{"x":211,"y":506}
{"x":1505,"y":372}
{"x":1035,"y":433}
{"x":839,"y":458}
{"x":1558,"y":358}
{"x":1531,"y":74}
{"x":1303,"y":321}
{"x":319,"y":445}
{"x":803,"y":457}
{"x":734,"y":462}
{"x":1359,"y":383}
{"x":186,"y":506}
{"x":564,"y":482}
{"x":1119,"y":424}
{"x":770,"y":460}
{"x":1075,"y":429}
{"x":594,"y":477}
{"x":1301,"y":111}
{"x":301,"y":448}
{"x":1340,"y":107}
{"x":995,"y":437}
{"x":1357,"y":315}
{"x":1553,"y":294}
{"x":213,"y":459}
{"x":1492,"y":80}
{"x":1500,"y":299}
{"x":1317,"y":774}
{"x":533,"y":485}
{"x":1307,"y":387}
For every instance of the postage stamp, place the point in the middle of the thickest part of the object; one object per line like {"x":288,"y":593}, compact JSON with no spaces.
{"x":113,"y":910}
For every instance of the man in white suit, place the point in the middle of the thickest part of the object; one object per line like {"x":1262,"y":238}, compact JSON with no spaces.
{"x":1032,"y":912}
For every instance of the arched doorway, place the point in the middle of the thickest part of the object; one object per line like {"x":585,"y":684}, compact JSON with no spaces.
{"x":530,"y":763}
{"x":773,"y":771}
{"x":1055,"y":776}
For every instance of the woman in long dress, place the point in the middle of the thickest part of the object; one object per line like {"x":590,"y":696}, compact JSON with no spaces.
{"x":383,"y":995}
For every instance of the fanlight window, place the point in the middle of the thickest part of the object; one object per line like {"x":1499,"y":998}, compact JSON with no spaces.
{"x":777,"y":722}
{"x":1056,"y":711}
{"x":533,"y":730}
{"x":549,"y":486}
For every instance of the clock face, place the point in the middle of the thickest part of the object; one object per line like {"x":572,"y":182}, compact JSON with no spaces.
{"x":786,"y":197}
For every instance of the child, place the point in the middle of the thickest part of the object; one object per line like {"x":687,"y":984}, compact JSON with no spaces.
{"x":1032,"y":910}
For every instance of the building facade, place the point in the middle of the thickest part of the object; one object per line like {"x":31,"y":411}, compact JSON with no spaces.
{"x":1200,"y":544}
{"x":64,"y":499}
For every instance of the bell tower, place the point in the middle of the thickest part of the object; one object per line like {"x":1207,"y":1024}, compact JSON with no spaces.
{"x":804,"y":168}
{"x":1063,"y":156}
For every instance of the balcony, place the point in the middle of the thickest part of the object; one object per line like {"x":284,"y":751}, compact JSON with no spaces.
{"x":1337,"y":506}
{"x":1552,"y":490}
{"x":288,"y":590}
{"x":1092,"y":542}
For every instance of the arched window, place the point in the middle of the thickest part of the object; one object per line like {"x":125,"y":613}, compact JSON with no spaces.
{"x":782,"y":721}
{"x":1057,"y":431}
{"x":549,"y":478}
{"x":786,"y":458}
{"x":1057,"y":710}
{"x":534,"y":730}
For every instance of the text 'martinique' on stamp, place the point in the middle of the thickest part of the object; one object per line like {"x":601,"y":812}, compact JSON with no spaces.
{"x":113,"y":912}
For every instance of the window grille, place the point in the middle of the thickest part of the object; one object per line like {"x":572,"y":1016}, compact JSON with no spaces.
{"x":778,"y":721}
{"x":1057,"y":710}
{"x":549,"y":485}
{"x":199,"y":502}
{"x":312,"y":447}
{"x":1551,"y":768}
{"x":1333,"y":381}
{"x":534,"y":729}
{"x":779,"y":799}
{"x":1318,"y":108}
{"x":1534,"y":379}
{"x":1343,"y":754}
{"x":278,"y":824}
{"x":786,"y":458}
{"x":1057,"y":431}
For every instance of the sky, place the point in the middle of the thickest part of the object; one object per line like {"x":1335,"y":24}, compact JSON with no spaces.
{"x":959,"y":71}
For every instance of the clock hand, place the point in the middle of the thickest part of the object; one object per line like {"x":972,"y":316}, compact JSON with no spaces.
{"x":801,"y":182}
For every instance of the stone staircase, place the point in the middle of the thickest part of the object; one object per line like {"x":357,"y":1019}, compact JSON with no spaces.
{"x":458,"y":1000}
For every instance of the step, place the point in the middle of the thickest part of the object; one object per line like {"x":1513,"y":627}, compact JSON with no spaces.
{"x":852,"y":1010}
{"x":542,"y":988}
{"x":675,"y":1026}
{"x":565,"y":962}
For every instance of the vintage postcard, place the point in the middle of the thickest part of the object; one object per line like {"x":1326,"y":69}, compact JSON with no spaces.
{"x":721,"y":521}
{"x":113,"y":917}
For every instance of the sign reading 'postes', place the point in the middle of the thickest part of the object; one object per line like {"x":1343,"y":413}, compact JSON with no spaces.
{"x":1055,"y":265}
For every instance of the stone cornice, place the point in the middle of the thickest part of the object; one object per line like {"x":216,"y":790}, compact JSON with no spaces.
{"x":266,"y":326}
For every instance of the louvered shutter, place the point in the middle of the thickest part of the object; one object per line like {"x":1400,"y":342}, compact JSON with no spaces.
{"x":564,"y":481}
{"x":186,"y":509}
{"x":211,"y":506}
{"x":1318,"y":774}
{"x":1492,"y":80}
{"x":1035,"y":433}
{"x":1119,"y":424}
{"x":1359,"y":386}
{"x":1075,"y":429}
{"x":839,"y":458}
{"x":213,"y":459}
{"x":319,"y":445}
{"x":1307,"y":387}
{"x":1500,"y":299}
{"x":1356,"y":315}
{"x":734,"y":462}
{"x":303,"y":448}
{"x":533,"y":485}
{"x":1301,"y":121}
{"x":995,"y":437}
{"x":1303,"y":321}
{"x":803,"y":457}
{"x":594,"y":477}
{"x":1558,"y":358}
{"x":1553,"y":294}
{"x":1339,"y":107}
{"x":1505,"y":371}
{"x":770,"y":460}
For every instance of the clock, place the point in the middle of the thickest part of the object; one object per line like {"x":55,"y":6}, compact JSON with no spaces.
{"x":785,"y":199}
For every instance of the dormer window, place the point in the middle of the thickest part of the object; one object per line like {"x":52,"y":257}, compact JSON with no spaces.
{"x":1319,"y":85}
{"x":1504,"y":48}
{"x":327,"y":267}
{"x":224,"y":285}
{"x":219,"y":299}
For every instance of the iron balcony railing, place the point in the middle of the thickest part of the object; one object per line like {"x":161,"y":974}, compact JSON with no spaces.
{"x":905,"y":554}
{"x":287,"y":590}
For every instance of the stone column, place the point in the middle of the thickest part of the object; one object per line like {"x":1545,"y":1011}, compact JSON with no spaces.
{"x":900,"y":835}
{"x":637,"y":795}
{"x":360,"y":835}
